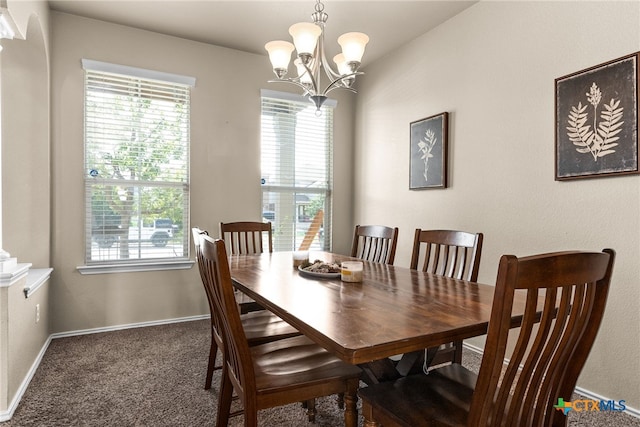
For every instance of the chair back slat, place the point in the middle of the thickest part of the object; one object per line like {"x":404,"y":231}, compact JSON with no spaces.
{"x":238,"y":360}
{"x":375,"y":243}
{"x":569,"y":289}
{"x":246,"y":237}
{"x":447,"y":253}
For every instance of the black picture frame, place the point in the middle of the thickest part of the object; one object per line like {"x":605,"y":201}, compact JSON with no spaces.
{"x":429,"y":152}
{"x":596,"y":117}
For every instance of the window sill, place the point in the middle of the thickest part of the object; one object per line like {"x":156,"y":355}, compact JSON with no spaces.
{"x":137,"y":267}
{"x":36,"y":278}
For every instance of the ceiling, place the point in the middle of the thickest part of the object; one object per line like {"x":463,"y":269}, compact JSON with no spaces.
{"x":248,"y":25}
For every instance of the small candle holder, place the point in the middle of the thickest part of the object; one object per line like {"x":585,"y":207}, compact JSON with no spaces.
{"x":300,"y":258}
{"x":351,"y":271}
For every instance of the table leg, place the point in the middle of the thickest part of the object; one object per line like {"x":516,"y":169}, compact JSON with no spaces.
{"x":413,"y":362}
{"x":350,"y":401}
{"x":379,"y":371}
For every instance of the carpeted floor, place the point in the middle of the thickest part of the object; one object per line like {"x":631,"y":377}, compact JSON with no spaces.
{"x":154,"y":376}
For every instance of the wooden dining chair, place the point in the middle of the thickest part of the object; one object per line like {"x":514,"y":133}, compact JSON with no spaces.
{"x":274,"y":374}
{"x":375,"y":243}
{"x":566,"y":294}
{"x":246,"y":237}
{"x":449,"y":253}
{"x":260,"y":326}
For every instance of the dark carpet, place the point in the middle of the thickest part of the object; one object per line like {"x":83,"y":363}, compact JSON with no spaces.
{"x":154,"y":376}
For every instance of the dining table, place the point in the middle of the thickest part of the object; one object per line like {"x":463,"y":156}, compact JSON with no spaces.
{"x":393,"y":310}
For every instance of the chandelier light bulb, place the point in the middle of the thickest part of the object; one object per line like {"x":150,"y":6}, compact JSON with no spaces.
{"x":279,"y":55}
{"x":341,"y":63}
{"x":305,"y":37}
{"x":344,"y":70}
{"x":353,"y":45}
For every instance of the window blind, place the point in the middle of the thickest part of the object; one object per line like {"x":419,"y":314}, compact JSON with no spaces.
{"x":137,"y":135}
{"x":297,"y":169}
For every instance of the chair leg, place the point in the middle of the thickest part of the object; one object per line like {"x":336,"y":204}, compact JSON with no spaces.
{"x":250,"y":417}
{"x":367,"y":413}
{"x":311,"y":410}
{"x":224,"y":398}
{"x":213,"y":352}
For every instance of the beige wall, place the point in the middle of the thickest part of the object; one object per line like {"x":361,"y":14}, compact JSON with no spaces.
{"x":23,"y":337}
{"x":26,"y":227}
{"x":26,"y":224}
{"x":225,"y":165}
{"x":493,"y":69}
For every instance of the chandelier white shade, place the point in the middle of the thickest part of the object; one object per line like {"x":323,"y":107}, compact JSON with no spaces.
{"x":308,"y":42}
{"x":353,"y":46}
{"x":305,"y":37}
{"x":280,"y":55}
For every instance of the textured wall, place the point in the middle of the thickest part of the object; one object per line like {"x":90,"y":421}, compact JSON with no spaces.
{"x":493,"y":69}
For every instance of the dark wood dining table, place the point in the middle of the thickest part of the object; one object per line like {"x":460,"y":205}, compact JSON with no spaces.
{"x":394,"y":310}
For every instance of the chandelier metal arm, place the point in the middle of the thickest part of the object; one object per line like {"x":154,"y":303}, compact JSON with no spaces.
{"x":336,"y":83}
{"x":322,"y":59}
{"x":314,"y":79}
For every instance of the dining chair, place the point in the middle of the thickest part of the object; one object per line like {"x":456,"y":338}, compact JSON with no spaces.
{"x":273,"y":374}
{"x":449,"y":253}
{"x":247,"y":237}
{"x":375,"y":243}
{"x":566,"y":294}
{"x":260,"y":326}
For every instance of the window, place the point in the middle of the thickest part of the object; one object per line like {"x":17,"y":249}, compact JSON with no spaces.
{"x":136,"y":165}
{"x":297,"y":161}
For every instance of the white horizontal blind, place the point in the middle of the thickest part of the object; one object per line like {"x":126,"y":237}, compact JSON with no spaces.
{"x":297,"y":169}
{"x":136,"y":169}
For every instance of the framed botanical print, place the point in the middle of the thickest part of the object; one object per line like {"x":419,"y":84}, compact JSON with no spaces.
{"x":597,"y":121}
{"x":428,"y":152}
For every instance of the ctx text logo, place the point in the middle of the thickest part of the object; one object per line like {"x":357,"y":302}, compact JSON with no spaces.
{"x":590,"y":405}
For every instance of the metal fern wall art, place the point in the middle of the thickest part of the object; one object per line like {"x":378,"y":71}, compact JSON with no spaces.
{"x":596,"y":120}
{"x":428,"y":147}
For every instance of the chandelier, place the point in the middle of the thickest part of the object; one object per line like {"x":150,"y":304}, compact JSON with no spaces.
{"x":308,"y":41}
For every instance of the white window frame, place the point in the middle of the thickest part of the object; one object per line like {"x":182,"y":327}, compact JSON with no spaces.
{"x":291,"y":241}
{"x":120,"y":265}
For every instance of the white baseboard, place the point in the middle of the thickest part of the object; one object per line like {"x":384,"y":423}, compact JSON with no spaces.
{"x":6,"y":415}
{"x":127,"y":326}
{"x":581,"y":391}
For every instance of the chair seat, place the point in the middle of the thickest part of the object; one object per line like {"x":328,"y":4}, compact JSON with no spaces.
{"x":442,"y":398}
{"x":263,"y":326}
{"x":298,"y":366}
